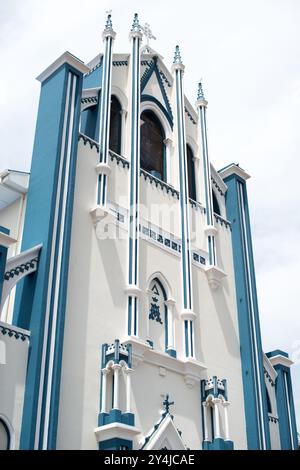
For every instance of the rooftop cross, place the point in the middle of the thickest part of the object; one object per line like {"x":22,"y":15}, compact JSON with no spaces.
{"x":147,"y":32}
{"x":167,"y":404}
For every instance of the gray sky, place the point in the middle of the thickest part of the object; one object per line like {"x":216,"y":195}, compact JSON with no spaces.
{"x":247,"y":53}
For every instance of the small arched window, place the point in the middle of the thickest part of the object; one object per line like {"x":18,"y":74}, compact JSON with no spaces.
{"x":191,"y":173}
{"x":269,"y":406}
{"x":157,"y":315}
{"x":115,"y":125}
{"x":152,"y":145}
{"x":4,"y":436}
{"x":216,"y":206}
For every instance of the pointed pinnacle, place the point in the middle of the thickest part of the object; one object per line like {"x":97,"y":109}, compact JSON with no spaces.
{"x":200,"y":95}
{"x":177,"y":57}
{"x":108,"y":25}
{"x":136,"y":24}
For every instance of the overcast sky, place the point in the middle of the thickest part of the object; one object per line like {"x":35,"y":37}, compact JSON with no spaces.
{"x":248,"y":54}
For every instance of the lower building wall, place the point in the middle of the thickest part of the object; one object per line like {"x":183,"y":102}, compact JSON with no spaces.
{"x":14,"y":345}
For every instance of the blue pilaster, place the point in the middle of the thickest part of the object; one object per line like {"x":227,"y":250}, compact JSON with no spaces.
{"x":48,"y":221}
{"x":248,"y":317}
{"x":201,"y":104}
{"x":3,"y":257}
{"x":285,"y":401}
{"x":134,"y":175}
{"x":186,"y":262}
{"x":104,"y":111}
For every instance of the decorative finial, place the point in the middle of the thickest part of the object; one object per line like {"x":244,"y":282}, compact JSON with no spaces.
{"x":136,"y":24}
{"x":177,"y":57}
{"x":147,"y":32}
{"x":200,"y":91}
{"x":108,"y":25}
{"x":167,"y":404}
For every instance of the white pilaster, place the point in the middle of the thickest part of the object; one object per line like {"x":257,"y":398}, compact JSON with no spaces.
{"x":116,"y":368}
{"x":187,"y":294}
{"x":108,"y":38}
{"x":170,"y":315}
{"x":134,"y":176}
{"x":216,"y":411}
{"x":128,"y":390}
{"x":168,"y":147}
{"x":205,"y":419}
{"x":123,"y":129}
{"x":105,"y":373}
{"x":226,"y":422}
{"x":201,"y":104}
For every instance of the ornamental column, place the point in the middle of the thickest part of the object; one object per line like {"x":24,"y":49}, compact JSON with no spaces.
{"x":226,"y":420}
{"x":216,"y":402}
{"x":201,"y":104}
{"x":103,"y":168}
{"x":187,"y":313}
{"x":133,"y":229}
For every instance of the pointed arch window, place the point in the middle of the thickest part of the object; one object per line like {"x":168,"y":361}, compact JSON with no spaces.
{"x":152,"y":145}
{"x":160,"y":321}
{"x":216,"y":206}
{"x":191,"y":173}
{"x":5,"y":438}
{"x":115,"y":128}
{"x":269,"y":406}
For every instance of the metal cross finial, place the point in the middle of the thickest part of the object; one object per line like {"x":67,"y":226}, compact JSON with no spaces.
{"x":200,"y":91}
{"x":177,"y":57}
{"x":108,"y":21}
{"x":147,"y":32}
{"x":167,"y":404}
{"x":136,"y":24}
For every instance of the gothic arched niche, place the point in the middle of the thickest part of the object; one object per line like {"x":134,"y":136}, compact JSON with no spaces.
{"x":152,"y":145}
{"x":115,"y":125}
{"x":216,"y":206}
{"x":157,"y":315}
{"x":191,"y":173}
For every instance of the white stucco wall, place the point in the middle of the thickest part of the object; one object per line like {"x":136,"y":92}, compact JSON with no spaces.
{"x":13,"y":366}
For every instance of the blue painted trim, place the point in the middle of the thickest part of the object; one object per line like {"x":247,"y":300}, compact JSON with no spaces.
{"x":287,"y":428}
{"x":218,"y":444}
{"x":172,"y":353}
{"x":154,"y":69}
{"x":277,"y":352}
{"x":152,"y":99}
{"x":4,"y":230}
{"x":115,"y":444}
{"x":115,"y":416}
{"x":32,"y":297}
{"x":3,"y":258}
{"x":186,"y":338}
{"x":255,"y":426}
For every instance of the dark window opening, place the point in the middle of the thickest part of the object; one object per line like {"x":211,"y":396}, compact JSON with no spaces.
{"x":191,"y":173}
{"x":115,"y":125}
{"x":152,"y":145}
{"x":216,"y":206}
{"x":269,"y":407}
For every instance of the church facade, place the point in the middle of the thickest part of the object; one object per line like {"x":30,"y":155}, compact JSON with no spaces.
{"x":129,"y":315}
